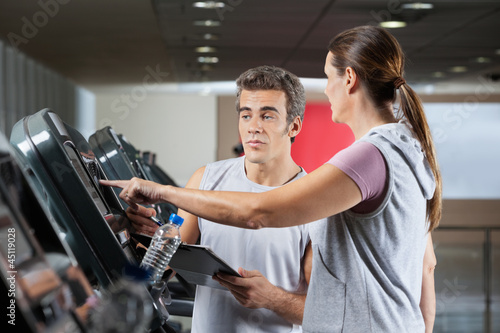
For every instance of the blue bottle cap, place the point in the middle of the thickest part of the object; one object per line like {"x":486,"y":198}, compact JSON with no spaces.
{"x":176,"y":219}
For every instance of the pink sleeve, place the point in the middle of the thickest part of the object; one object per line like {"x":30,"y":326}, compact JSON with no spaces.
{"x":366,"y":166}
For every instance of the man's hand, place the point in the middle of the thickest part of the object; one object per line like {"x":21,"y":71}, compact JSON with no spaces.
{"x":254,"y":291}
{"x":140,"y":219}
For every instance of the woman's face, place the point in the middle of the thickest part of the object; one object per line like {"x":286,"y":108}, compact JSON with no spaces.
{"x":335,"y":91}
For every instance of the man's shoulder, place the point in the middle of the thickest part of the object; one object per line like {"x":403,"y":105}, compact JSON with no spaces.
{"x":218,"y":174}
{"x":225,"y":163}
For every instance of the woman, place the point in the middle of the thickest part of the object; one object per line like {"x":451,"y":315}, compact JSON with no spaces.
{"x":382,"y":197}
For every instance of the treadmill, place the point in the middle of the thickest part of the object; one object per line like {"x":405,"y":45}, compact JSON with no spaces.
{"x":66,"y":174}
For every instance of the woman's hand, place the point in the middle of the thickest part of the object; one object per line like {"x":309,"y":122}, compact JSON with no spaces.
{"x":137,"y":191}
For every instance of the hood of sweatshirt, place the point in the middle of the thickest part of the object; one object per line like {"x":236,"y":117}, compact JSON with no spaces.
{"x":402,"y":138}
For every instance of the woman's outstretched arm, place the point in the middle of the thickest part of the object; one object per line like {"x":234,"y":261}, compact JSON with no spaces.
{"x":322,"y":193}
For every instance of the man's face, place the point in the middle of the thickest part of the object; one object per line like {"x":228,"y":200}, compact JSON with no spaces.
{"x":262,"y":125}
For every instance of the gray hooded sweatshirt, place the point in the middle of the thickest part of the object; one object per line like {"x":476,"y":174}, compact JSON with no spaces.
{"x":367,"y":268}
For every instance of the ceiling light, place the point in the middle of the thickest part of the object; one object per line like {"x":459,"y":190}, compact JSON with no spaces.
{"x":438,"y":75}
{"x":207,"y":23}
{"x":208,"y":60}
{"x":497,"y":51}
{"x":209,"y":4}
{"x":458,"y":69}
{"x":417,"y":5}
{"x":482,"y":60}
{"x":205,"y":49}
{"x":209,"y":36}
{"x":393,"y":24}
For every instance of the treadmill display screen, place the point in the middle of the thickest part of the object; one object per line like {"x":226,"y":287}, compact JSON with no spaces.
{"x":90,"y":184}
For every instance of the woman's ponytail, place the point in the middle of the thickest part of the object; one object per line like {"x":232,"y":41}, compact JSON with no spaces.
{"x":413,"y":111}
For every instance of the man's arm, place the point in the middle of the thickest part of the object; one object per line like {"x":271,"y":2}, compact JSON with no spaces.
{"x":428,"y":297}
{"x":254,"y":291}
{"x":190,"y":231}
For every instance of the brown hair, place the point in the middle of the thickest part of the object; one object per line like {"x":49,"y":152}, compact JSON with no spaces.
{"x":378,"y":60}
{"x":275,"y":78}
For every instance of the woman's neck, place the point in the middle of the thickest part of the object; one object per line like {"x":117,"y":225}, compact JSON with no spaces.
{"x":366,"y":116}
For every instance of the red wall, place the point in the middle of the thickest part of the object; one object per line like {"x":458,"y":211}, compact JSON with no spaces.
{"x":320,"y":138}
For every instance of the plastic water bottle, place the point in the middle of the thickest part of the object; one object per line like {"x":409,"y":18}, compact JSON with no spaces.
{"x":165,"y":242}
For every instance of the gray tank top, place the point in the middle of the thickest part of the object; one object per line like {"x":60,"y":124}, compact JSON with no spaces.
{"x":275,"y":252}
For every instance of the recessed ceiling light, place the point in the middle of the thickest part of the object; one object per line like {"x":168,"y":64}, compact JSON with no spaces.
{"x":482,"y":60}
{"x":205,"y":49}
{"x":458,"y":69}
{"x":438,"y":75}
{"x":209,"y":4}
{"x":207,"y":23}
{"x":417,"y":5}
{"x":209,"y":36}
{"x":208,"y":60}
{"x":393,"y":24}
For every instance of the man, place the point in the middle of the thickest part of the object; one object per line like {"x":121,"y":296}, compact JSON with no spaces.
{"x":277,"y":262}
